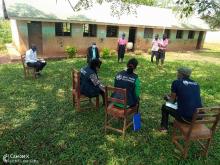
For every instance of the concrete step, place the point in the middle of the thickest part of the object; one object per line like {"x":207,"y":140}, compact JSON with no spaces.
{"x":13,"y":53}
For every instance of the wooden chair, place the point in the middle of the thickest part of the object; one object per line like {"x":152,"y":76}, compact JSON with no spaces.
{"x":197,"y":130}
{"x":113,"y":112}
{"x":28,"y":70}
{"x":77,"y":96}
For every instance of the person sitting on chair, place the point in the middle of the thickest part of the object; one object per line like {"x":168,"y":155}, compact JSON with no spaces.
{"x":90,"y":85}
{"x":92,"y":53}
{"x":32,"y":61}
{"x":128,"y":80}
{"x":187,"y":94}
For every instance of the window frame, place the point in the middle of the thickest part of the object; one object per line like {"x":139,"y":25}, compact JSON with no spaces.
{"x":168,"y":34}
{"x":177,"y":34}
{"x":108,"y":27}
{"x":89,"y":30}
{"x":60,"y":31}
{"x":191,"y":34}
{"x":148,"y":35}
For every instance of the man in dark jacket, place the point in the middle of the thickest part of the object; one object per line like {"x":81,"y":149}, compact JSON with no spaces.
{"x":92,"y":53}
{"x":90,"y":84}
{"x":187,"y":94}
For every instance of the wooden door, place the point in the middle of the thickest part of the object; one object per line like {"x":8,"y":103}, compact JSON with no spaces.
{"x":199,"y":41}
{"x":35,"y":36}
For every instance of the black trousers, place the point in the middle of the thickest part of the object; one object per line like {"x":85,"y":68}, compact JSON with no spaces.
{"x":166,"y":111}
{"x":153,"y":53}
{"x":39,"y":65}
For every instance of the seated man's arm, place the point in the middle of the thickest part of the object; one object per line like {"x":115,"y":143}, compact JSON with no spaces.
{"x":96,"y":82}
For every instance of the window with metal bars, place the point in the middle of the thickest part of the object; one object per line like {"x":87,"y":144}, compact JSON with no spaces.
{"x":62,"y":29}
{"x":89,"y":30}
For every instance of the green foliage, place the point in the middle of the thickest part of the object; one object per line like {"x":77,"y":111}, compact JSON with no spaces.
{"x":106,"y":53}
{"x":113,"y":52}
{"x":71,"y":51}
{"x":138,"y":52}
{"x":38,"y":118}
{"x":207,"y":10}
{"x":5,"y":34}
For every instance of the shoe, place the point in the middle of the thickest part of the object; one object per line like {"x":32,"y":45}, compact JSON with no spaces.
{"x":164,"y":130}
{"x":38,"y":74}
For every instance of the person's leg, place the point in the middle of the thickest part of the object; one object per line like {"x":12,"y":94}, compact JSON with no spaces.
{"x":42,"y":64}
{"x":152,"y":56}
{"x":102,"y":93}
{"x":35,"y":65}
{"x":166,"y":111}
{"x":162,"y":57}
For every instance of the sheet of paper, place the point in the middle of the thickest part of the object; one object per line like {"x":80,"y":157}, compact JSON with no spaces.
{"x":171,"y":105}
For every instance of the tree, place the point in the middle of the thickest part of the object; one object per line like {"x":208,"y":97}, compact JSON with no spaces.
{"x":209,"y":10}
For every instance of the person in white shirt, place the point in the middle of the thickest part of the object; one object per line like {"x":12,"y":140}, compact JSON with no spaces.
{"x":32,"y":61}
{"x":155,"y":47}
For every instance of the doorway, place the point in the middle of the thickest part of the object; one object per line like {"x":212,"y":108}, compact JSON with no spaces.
{"x":132,"y":36}
{"x":199,"y":41}
{"x":35,"y":35}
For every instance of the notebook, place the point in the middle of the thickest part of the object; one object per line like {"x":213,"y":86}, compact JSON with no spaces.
{"x":137,"y":121}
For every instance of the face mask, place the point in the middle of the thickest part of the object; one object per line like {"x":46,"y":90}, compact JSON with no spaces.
{"x":34,"y":49}
{"x":93,"y":46}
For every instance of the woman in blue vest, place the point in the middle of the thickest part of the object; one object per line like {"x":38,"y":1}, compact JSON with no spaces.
{"x":90,"y":84}
{"x":127,"y":79}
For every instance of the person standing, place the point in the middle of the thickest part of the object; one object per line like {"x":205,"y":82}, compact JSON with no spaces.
{"x":128,"y":80}
{"x":162,"y":50}
{"x":32,"y":61}
{"x":92,"y":53}
{"x":122,"y":42}
{"x":155,"y":47}
{"x":90,"y":85}
{"x":187,"y":94}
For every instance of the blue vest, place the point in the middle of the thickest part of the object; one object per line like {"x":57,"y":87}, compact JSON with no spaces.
{"x":87,"y":88}
{"x":127,"y":81}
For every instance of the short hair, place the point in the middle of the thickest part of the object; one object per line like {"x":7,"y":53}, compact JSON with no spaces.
{"x":95,"y":63}
{"x":132,"y":63}
{"x":33,"y":46}
{"x":185,"y":71}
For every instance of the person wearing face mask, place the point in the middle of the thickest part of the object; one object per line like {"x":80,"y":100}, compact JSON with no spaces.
{"x":90,"y":85}
{"x":186,"y":93}
{"x":162,"y":50}
{"x":32,"y":61}
{"x":92,"y":53}
{"x":122,"y":42}
{"x":155,"y":47}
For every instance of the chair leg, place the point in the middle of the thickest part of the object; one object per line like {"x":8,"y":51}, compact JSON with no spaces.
{"x":106,"y":122}
{"x":174,"y":134}
{"x":207,"y":147}
{"x":97,"y":103}
{"x":78,"y":105}
{"x":124,"y":127}
{"x":186,"y":148}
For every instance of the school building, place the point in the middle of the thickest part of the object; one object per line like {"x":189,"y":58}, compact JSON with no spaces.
{"x":52,"y":25}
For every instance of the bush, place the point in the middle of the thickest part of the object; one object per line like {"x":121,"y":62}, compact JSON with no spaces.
{"x":138,"y":52}
{"x":5,"y":34}
{"x":106,"y":53}
{"x":113,"y":52}
{"x":71,"y":51}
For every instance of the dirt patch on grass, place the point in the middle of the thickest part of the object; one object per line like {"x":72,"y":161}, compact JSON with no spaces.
{"x":191,"y":56}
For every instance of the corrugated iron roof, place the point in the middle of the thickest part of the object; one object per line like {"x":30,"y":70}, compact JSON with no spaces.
{"x":55,"y":11}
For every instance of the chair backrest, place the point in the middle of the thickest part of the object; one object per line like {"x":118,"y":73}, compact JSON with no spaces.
{"x":110,"y":92}
{"x":76,"y":81}
{"x":23,"y":60}
{"x":210,"y":116}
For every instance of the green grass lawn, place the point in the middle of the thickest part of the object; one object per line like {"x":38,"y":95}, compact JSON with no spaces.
{"x":37,"y":116}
